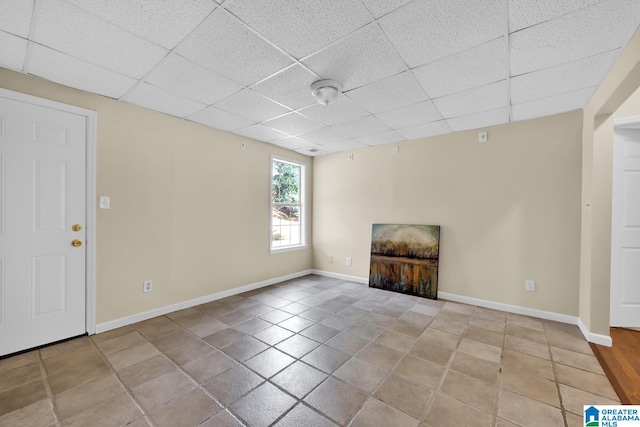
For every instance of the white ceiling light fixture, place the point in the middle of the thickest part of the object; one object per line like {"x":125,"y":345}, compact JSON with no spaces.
{"x":326,"y":91}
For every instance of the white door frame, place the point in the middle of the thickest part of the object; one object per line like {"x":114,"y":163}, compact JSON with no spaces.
{"x":621,"y":122}
{"x":90,"y":197}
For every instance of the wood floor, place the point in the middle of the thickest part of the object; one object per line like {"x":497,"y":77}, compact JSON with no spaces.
{"x":621,"y":363}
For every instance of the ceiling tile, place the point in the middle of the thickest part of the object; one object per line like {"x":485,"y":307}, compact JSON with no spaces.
{"x":404,"y":64}
{"x":343,"y":110}
{"x":261,"y":133}
{"x":348,"y":144}
{"x":186,"y":78}
{"x":361,"y":127}
{"x":525,"y":13}
{"x":293,"y":124}
{"x":382,"y":7}
{"x":324,"y":136}
{"x":292,"y":143}
{"x":252,"y":106}
{"x":596,"y":29}
{"x":426,"y":30}
{"x":388,"y":137}
{"x":15,"y":16}
{"x":359,"y":59}
{"x":69,"y":71}
{"x":219,"y":119}
{"x":71,"y":30}
{"x":291,"y":87}
{"x":484,"y":119}
{"x":568,"y":77}
{"x":465,"y":70}
{"x":14,"y":51}
{"x":483,"y":98}
{"x":390,"y":93}
{"x":225,"y":46}
{"x":303,"y":26}
{"x":440,"y":127}
{"x":163,"y":22}
{"x":154,"y":98}
{"x":411,"y":115}
{"x":553,"y":105}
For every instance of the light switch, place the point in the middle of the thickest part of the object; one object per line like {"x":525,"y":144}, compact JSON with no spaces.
{"x":105,"y":202}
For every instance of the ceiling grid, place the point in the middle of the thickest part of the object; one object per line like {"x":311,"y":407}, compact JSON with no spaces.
{"x":409,"y":68}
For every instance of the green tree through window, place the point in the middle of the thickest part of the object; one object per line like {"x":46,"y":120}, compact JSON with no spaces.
{"x":286,"y":182}
{"x":286,"y":204}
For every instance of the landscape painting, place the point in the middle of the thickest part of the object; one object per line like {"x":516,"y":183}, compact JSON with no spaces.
{"x":404,"y":258}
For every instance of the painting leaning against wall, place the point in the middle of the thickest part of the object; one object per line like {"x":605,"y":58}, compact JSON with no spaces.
{"x":404,"y":258}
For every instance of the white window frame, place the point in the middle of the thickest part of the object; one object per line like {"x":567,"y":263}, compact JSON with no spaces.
{"x":303,"y":206}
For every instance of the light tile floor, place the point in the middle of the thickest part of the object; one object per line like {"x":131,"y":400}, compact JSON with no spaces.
{"x":312,"y":352}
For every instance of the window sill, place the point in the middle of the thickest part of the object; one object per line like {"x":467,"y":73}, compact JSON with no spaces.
{"x":288,"y":249}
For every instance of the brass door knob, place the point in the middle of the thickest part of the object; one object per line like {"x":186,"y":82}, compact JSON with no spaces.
{"x":75,"y":243}
{"x":76,"y":227}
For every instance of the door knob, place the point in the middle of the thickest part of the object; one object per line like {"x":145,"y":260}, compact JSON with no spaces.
{"x":76,"y":227}
{"x":75,"y":243}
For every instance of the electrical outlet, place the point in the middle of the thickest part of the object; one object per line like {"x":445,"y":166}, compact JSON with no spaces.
{"x":330,"y":259}
{"x":530,"y":286}
{"x":349,"y":262}
{"x":147,"y":286}
{"x":105,"y":202}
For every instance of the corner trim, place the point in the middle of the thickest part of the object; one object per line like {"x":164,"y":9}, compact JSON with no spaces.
{"x":139,"y":317}
{"x":604,"y":340}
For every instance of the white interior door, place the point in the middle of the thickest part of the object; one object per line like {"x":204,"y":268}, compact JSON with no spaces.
{"x":42,"y":211}
{"x":625,"y":230}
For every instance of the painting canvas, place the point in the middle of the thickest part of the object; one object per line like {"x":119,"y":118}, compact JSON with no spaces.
{"x":404,"y":258}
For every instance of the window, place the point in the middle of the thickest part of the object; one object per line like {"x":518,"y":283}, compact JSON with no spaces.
{"x":288,"y":228}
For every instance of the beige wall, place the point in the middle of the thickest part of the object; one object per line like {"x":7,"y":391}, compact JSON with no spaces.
{"x":509,"y":209}
{"x":631,"y":106}
{"x":189,"y":209}
{"x":597,"y":141}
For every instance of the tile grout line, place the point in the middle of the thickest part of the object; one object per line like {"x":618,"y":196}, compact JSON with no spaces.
{"x":129,"y":391}
{"x":47,"y":387}
{"x":266,"y":380}
{"x":124,"y":386}
{"x":496,"y":405}
{"x":432,"y":399}
{"x":370,"y":395}
{"x":555,"y":377}
{"x":185,"y":373}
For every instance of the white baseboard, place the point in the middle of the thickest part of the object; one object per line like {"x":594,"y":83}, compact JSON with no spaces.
{"x":563,"y":318}
{"x":139,"y":317}
{"x":594,"y":338}
{"x":541,"y":314}
{"x":341,"y":276}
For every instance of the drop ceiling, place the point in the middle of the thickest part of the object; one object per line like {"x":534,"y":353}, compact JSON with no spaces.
{"x":409,"y":69}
